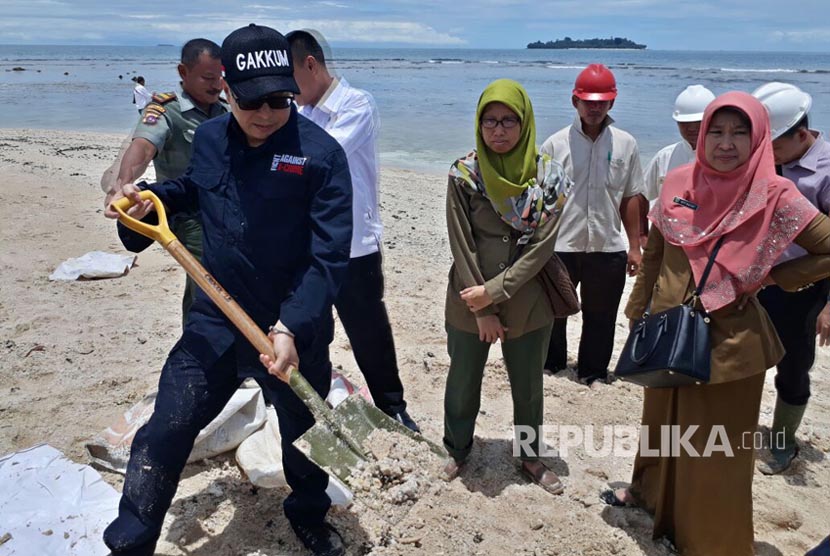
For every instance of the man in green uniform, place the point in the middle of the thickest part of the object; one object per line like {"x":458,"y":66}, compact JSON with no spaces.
{"x":165,"y":133}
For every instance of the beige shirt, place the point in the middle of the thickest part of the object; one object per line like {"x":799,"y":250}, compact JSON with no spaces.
{"x":604,"y":172}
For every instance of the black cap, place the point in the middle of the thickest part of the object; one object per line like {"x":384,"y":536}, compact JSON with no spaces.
{"x":257,"y":62}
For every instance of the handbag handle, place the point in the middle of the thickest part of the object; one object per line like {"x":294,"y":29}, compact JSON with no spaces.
{"x":661,"y":329}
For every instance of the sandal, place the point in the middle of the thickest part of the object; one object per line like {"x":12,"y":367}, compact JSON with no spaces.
{"x":610,"y":497}
{"x":544,"y":477}
{"x":452,"y":468}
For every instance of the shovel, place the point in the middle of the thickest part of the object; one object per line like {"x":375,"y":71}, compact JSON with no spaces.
{"x":337,"y":441}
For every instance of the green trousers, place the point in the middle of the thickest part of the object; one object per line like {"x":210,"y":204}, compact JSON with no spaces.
{"x":189,"y":232}
{"x":524,"y":358}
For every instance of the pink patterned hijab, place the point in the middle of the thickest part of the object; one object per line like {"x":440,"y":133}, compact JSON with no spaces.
{"x":758,"y":212}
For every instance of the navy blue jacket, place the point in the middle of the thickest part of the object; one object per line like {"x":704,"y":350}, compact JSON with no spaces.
{"x":277,"y":227}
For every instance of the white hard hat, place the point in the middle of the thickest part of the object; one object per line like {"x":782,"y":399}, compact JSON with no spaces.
{"x":690,"y":104}
{"x":786,"y":105}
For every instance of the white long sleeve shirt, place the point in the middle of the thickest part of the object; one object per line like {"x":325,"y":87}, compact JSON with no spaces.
{"x":351,"y":117}
{"x":604,"y":172}
{"x":667,"y":158}
{"x":141,"y":96}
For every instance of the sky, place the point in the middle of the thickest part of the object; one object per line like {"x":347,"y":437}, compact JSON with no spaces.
{"x":763,"y":25}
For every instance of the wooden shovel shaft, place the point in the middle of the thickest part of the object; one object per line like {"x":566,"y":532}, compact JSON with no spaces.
{"x":259,"y":340}
{"x":223,"y":301}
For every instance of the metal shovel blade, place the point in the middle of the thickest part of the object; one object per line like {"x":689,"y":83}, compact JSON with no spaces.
{"x":323,"y":446}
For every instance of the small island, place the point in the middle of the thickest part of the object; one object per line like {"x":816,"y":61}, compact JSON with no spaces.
{"x":568,"y":42}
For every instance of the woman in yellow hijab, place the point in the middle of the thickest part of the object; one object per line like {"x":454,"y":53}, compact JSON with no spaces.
{"x":503,"y":201}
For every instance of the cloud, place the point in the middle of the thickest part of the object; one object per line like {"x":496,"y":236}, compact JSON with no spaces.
{"x":382,"y":32}
{"x":694,"y":24}
{"x":805,"y":36}
{"x":270,"y":8}
{"x":355,"y":31}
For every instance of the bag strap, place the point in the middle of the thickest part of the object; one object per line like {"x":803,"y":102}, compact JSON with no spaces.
{"x":708,"y":269}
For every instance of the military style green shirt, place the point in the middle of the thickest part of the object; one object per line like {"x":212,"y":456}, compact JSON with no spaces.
{"x":169,"y":123}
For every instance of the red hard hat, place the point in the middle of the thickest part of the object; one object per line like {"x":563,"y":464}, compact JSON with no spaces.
{"x":596,"y":82}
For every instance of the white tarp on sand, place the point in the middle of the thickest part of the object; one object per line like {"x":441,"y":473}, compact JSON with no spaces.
{"x":51,"y":506}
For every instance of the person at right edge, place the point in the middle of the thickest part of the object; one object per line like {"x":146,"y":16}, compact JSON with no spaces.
{"x":803,"y":157}
{"x":701,"y":499}
{"x":604,"y":164}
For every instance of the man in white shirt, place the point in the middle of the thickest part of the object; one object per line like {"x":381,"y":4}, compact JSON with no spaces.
{"x":141,"y":96}
{"x":351,"y":117}
{"x":604,"y":164}
{"x":688,"y":113}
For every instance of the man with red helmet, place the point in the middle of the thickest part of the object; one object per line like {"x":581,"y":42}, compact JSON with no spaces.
{"x":604,"y":164}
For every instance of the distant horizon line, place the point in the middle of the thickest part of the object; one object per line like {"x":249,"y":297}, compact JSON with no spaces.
{"x":422,"y":47}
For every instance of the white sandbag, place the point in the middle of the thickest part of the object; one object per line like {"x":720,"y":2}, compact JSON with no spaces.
{"x":51,"y":506}
{"x":95,"y":264}
{"x":260,"y":455}
{"x":243,"y":414}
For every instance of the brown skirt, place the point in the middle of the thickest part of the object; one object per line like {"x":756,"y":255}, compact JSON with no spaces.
{"x":702,"y":504}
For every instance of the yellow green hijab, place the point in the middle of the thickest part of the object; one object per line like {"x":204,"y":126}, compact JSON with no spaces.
{"x":506,"y":176}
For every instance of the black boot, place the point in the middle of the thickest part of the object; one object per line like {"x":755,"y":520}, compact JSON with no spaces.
{"x":321,"y":540}
{"x":403,"y":418}
{"x":784,"y":424}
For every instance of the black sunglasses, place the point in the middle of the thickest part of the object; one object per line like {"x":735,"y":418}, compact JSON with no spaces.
{"x":274,"y":102}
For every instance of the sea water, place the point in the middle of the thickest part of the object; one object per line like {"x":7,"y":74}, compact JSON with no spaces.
{"x":426,"y":97}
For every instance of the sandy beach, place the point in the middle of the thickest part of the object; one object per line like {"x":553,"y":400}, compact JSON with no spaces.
{"x":76,"y":355}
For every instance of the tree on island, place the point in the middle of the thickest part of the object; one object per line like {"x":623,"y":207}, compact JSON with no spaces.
{"x":568,"y":42}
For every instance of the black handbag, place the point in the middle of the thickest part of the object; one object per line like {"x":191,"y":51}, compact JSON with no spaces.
{"x":671,"y":348}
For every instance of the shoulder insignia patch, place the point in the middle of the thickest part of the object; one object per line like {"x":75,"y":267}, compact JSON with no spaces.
{"x":163,"y":98}
{"x":153,"y":107}
{"x":152,"y":113}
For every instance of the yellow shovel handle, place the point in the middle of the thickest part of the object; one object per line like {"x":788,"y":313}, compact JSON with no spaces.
{"x":160,"y":232}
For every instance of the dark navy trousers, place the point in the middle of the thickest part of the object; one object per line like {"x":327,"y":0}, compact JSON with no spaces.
{"x":794,"y":315}
{"x":189,"y":397}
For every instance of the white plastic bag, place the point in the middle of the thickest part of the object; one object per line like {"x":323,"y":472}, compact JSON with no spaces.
{"x":95,"y":264}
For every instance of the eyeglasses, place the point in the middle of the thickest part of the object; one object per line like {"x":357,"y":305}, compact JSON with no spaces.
{"x":274,"y":102}
{"x":506,"y":123}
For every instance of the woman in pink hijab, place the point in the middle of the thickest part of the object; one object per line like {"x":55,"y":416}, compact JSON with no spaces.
{"x":698,"y":485}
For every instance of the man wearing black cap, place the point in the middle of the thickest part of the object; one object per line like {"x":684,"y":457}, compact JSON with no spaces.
{"x":274,"y":195}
